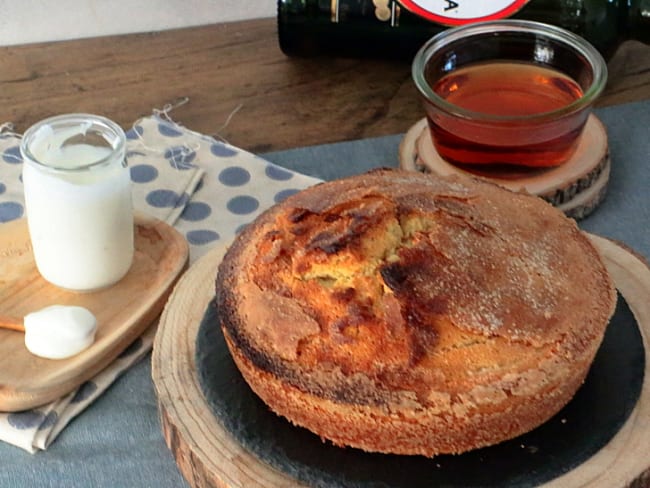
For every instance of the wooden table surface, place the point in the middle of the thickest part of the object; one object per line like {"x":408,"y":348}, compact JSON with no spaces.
{"x":238,"y":85}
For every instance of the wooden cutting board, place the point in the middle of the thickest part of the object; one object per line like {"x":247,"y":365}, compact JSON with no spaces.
{"x":209,"y":455}
{"x":123,"y":311}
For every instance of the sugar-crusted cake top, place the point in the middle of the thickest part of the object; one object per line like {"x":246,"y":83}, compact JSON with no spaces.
{"x":412,"y":281}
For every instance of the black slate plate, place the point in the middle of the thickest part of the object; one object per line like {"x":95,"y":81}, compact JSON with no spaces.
{"x":583,"y":427}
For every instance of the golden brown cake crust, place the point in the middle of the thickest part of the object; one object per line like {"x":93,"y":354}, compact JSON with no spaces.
{"x":403,"y":313}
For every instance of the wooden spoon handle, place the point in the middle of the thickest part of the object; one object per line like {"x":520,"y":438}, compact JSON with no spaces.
{"x":11,"y":323}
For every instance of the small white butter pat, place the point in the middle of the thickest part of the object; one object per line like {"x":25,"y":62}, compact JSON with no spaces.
{"x":59,"y":331}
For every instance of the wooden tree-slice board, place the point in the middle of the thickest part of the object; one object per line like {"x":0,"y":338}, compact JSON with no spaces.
{"x":208,"y":455}
{"x":576,"y":187}
{"x":123,"y":311}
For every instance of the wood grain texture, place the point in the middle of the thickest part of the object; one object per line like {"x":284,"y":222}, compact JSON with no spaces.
{"x":208,"y":456}
{"x":123,"y":311}
{"x":240,"y":86}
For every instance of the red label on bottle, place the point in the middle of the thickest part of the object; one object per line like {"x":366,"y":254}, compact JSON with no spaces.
{"x":459,"y":12}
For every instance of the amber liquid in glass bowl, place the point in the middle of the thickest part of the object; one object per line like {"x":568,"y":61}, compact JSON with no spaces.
{"x":508,"y":89}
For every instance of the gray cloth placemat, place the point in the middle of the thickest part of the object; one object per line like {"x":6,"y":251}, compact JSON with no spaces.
{"x":130,"y":451}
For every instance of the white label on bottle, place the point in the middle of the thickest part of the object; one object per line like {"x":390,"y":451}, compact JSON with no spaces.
{"x":458,"y":12}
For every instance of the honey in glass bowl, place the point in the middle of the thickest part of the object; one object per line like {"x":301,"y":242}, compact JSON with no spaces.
{"x":508,"y":93}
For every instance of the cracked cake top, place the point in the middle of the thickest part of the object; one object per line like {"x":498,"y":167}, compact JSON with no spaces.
{"x":396,"y":282}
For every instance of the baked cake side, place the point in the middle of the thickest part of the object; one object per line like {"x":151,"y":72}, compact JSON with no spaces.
{"x":396,"y":312}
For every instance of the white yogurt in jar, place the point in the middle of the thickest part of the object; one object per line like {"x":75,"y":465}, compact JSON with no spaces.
{"x":78,"y":201}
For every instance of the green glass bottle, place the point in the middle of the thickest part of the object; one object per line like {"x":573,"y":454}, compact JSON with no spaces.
{"x":398,"y":28}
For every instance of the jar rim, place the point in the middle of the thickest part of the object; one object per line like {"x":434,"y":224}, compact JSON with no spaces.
{"x":506,"y":26}
{"x":70,"y":120}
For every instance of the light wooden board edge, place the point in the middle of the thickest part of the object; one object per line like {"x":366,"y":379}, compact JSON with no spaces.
{"x":204,"y":460}
{"x":208,"y":456}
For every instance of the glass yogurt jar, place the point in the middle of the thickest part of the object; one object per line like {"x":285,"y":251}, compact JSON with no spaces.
{"x":78,"y":200}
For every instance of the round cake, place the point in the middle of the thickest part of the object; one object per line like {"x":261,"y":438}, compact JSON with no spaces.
{"x":402,"y":313}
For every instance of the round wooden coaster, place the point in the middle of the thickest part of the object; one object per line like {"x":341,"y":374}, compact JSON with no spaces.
{"x":576,"y":187}
{"x":208,"y":455}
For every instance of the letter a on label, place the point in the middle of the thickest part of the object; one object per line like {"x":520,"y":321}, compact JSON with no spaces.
{"x":450,"y":5}
{"x":450,"y":12}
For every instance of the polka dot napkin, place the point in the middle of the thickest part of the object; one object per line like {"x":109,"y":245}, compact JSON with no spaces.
{"x":206,"y":189}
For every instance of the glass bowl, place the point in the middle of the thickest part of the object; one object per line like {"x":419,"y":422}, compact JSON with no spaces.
{"x":508,"y":92}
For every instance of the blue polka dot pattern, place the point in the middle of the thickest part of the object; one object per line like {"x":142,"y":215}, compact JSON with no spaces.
{"x":168,"y":130}
{"x":10,"y":211}
{"x":281,"y":195}
{"x":26,"y":420}
{"x":218,"y":191}
{"x":234,"y":176}
{"x":243,"y":204}
{"x":195,"y":211}
{"x":131,"y":349}
{"x":49,"y":420}
{"x":201,"y":237}
{"x":222,"y":150}
{"x":143,"y":173}
{"x":84,"y":392}
{"x":240,"y":228}
{"x":180,"y":157}
{"x":12,"y":155}
{"x":182,"y":201}
{"x":134,"y":132}
{"x":277,"y":173}
{"x":166,"y":199}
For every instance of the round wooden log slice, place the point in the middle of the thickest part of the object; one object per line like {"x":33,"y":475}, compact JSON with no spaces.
{"x":576,"y":187}
{"x":208,"y":455}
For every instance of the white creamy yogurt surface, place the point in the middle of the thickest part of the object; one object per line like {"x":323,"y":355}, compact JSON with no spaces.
{"x":59,"y":331}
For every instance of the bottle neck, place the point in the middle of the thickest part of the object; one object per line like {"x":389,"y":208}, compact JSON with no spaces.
{"x":638,"y":20}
